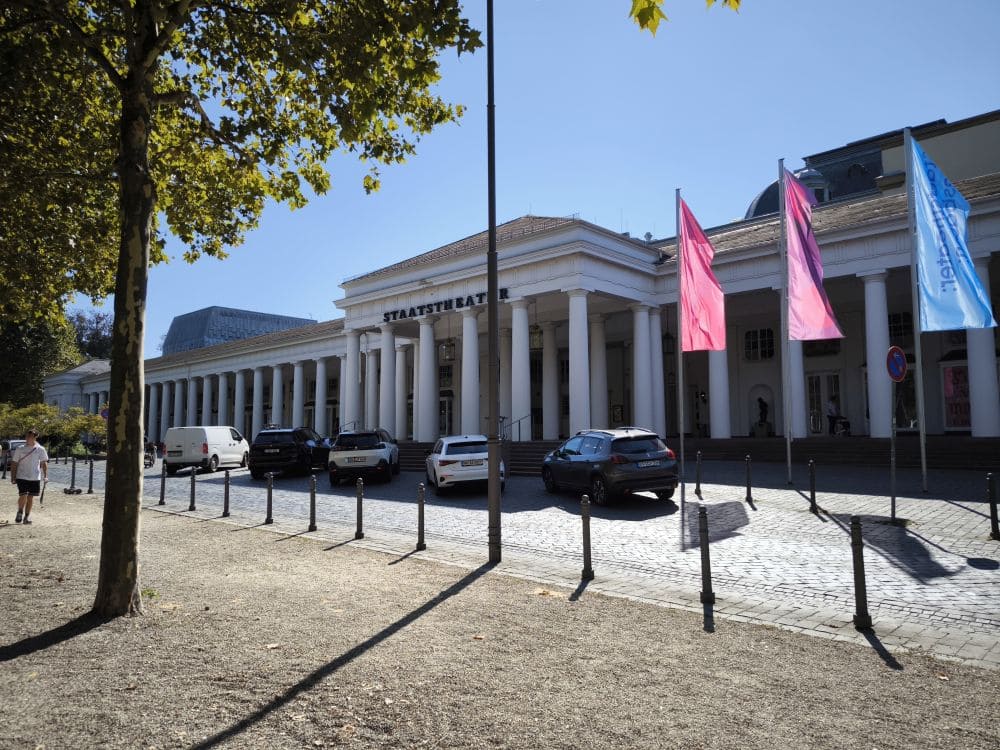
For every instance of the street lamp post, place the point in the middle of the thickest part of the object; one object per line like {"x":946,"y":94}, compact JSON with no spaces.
{"x":492,"y":320}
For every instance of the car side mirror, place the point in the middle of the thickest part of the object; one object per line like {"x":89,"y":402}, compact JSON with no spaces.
{"x":380,"y":446}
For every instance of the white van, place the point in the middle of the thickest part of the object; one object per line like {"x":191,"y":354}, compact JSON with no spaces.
{"x":206,"y":447}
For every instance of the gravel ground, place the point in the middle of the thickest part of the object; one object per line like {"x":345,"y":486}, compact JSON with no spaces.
{"x":254,"y":639}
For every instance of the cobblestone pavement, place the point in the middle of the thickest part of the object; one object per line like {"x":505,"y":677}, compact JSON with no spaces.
{"x":933,"y":583}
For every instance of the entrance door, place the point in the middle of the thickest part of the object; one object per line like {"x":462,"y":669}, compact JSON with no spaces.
{"x":444,"y":416}
{"x":821,"y":387}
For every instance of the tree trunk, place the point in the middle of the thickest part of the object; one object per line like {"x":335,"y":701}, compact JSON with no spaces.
{"x":118,"y":591}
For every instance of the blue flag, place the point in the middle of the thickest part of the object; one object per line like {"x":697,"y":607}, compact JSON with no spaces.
{"x":951,"y":294}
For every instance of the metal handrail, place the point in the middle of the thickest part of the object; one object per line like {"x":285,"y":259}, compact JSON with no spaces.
{"x":510,"y":426}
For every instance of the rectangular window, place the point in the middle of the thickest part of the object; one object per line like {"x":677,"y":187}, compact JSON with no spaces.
{"x":758,"y":344}
{"x":445,"y":376}
{"x":900,"y":326}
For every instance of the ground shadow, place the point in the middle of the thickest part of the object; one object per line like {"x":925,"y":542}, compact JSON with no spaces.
{"x":881,"y":650}
{"x":77,"y":626}
{"x":723,"y":521}
{"x":320,"y":674}
{"x":578,"y":592}
{"x":900,"y":547}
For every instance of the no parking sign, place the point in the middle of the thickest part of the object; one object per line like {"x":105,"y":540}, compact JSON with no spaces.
{"x":895,"y":364}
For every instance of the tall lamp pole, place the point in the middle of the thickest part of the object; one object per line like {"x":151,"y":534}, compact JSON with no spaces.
{"x":492,"y":294}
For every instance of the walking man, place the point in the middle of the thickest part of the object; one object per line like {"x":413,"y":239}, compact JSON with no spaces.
{"x":30,"y":470}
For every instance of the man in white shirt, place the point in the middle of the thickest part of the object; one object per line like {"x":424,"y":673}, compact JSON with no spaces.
{"x":30,"y":470}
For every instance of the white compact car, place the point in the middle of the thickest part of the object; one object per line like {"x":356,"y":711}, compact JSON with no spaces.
{"x":363,"y":453}
{"x":457,"y":460}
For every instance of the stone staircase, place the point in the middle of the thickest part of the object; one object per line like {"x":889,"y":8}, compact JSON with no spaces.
{"x":943,"y":452}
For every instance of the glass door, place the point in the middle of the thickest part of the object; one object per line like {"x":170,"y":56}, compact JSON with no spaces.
{"x":822,"y":388}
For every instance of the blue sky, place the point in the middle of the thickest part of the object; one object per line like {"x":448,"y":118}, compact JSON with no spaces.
{"x":599,"y":119}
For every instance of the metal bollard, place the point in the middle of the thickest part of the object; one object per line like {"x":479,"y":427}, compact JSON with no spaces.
{"x":707,"y":595}
{"x":421,"y":545}
{"x":588,"y":570}
{"x":312,"y":503}
{"x":194,"y":473}
{"x":697,"y":474}
{"x":862,"y":620}
{"x":991,"y":496}
{"x":225,"y":496}
{"x":749,"y":497}
{"x":72,"y":475}
{"x":360,"y":485}
{"x":270,"y":489}
{"x":163,"y":484}
{"x":812,"y":487}
{"x":90,"y":478}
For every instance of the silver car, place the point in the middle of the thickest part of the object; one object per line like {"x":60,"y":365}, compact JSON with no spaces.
{"x":457,"y":460}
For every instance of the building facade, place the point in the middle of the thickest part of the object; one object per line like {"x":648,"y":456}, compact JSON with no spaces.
{"x":588,"y":327}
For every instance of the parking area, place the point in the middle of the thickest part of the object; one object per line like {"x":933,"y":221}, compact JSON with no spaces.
{"x":933,"y":583}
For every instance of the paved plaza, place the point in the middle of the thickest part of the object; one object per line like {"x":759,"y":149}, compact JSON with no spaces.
{"x":933,"y":582}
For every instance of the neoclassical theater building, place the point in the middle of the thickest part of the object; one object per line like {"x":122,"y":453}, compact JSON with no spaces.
{"x":588,"y":322}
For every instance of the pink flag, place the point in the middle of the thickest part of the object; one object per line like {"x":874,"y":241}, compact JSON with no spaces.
{"x":701,"y":297}
{"x":809,"y":313}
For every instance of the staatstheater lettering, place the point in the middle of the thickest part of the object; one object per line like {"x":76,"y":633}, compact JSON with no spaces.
{"x":444,"y":305}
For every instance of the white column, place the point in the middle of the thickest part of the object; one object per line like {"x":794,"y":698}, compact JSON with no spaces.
{"x":165,"y":411}
{"x":797,"y":376}
{"x":520,"y":372}
{"x":656,"y":358}
{"x":598,"y":373}
{"x":351,"y":404}
{"x":579,"y":370}
{"x":876,"y":348}
{"x":240,"y":401}
{"x":387,"y":382}
{"x":642,"y":368}
{"x":506,"y":406}
{"x":400,"y":419}
{"x":206,"y":400}
{"x":298,"y":394}
{"x":428,"y":382}
{"x":178,"y":403}
{"x":718,"y":395}
{"x":224,"y":399}
{"x":471,"y":422}
{"x":456,"y":390}
{"x":192,"y":402}
{"x":278,"y":395}
{"x":984,"y":395}
{"x":416,"y":389}
{"x":341,"y":390}
{"x":257,"y":418}
{"x":371,"y":389}
{"x":550,"y":383}
{"x":152,"y":434}
{"x":319,"y":398}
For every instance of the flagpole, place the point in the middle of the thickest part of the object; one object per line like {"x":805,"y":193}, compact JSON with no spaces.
{"x":785,"y":369}
{"x":680,"y":341}
{"x":918,"y":370}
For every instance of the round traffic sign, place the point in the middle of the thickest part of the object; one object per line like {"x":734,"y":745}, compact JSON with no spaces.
{"x":895,"y":363}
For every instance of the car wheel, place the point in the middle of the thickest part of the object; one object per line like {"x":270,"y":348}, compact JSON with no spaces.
{"x":428,"y":482}
{"x":598,"y":491}
{"x":550,"y":481}
{"x":333,"y":480}
{"x":171,"y":470}
{"x":213,"y":464}
{"x":245,"y":461}
{"x":665,"y":495}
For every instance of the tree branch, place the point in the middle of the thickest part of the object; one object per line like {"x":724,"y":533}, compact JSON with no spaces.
{"x":178,"y":15}
{"x":181,"y":98}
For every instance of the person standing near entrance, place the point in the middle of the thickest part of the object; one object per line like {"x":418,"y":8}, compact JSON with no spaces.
{"x":30,"y":470}
{"x":832,"y":414}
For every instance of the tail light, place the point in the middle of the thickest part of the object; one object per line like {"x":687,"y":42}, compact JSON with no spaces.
{"x":618,"y":458}
{"x":671,"y":454}
{"x":204,"y":448}
{"x":446,"y":463}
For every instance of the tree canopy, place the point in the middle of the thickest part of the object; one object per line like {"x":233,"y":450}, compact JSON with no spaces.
{"x":31,"y":351}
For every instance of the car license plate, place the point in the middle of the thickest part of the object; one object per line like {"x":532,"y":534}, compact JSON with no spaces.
{"x":644,"y":464}
{"x":272,"y":450}
{"x":473,"y":462}
{"x":173,"y":453}
{"x":355,"y":459}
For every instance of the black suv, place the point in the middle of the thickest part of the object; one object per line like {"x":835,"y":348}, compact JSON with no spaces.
{"x":610,"y":463}
{"x":287,"y":449}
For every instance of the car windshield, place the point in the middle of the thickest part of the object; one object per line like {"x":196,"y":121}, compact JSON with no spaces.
{"x":271,"y":438}
{"x":360,"y":441}
{"x":638,"y":444}
{"x":464,"y":449}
